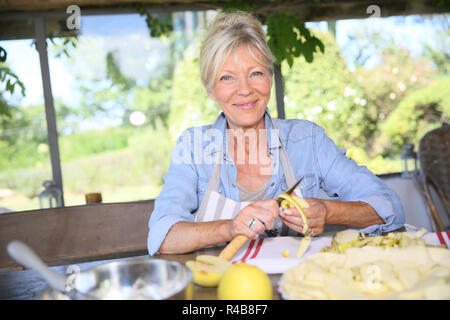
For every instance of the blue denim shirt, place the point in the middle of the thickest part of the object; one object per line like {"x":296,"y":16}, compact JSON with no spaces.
{"x":311,"y":152}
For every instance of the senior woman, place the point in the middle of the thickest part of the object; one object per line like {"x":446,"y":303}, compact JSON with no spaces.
{"x":223,"y":179}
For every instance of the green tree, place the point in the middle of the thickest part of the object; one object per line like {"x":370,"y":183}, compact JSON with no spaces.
{"x":22,"y":138}
{"x":325,"y":92}
{"x":416,"y":114}
{"x":384,"y":86}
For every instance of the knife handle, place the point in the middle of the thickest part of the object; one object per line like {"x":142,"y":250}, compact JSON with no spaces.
{"x":230,"y":250}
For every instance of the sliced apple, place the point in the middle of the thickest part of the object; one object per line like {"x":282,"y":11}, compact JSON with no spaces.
{"x":208,"y":270}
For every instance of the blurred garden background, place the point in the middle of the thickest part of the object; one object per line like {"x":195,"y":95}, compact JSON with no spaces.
{"x":122,"y":97}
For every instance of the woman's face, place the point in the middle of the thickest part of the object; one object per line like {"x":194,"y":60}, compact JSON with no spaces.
{"x":242,"y":89}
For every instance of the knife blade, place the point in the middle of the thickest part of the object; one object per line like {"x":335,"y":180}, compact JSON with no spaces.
{"x":290,"y":190}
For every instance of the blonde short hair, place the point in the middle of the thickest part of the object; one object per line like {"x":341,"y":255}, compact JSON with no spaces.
{"x":226,"y":33}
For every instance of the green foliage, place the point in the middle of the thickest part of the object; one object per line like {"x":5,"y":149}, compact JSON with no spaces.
{"x":92,"y":160}
{"x":154,"y":99}
{"x":387,"y":84}
{"x":116,"y":76}
{"x":87,"y":143}
{"x":243,"y":5}
{"x":288,"y":38}
{"x":20,"y":138}
{"x":158,"y":26}
{"x":144,"y":161}
{"x":27,"y":181}
{"x":324,"y":92}
{"x":102,"y":96}
{"x":4,"y":108}
{"x":440,"y":52}
{"x":11,"y":81}
{"x":61,"y":45}
{"x":416,"y":114}
{"x":151,"y":154}
{"x":367,"y":112}
{"x":3,"y":55}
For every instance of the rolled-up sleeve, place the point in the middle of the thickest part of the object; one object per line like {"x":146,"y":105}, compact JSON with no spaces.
{"x":342,"y":176}
{"x":178,"y":197}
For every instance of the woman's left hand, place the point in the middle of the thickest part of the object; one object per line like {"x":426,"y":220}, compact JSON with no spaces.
{"x":316,"y":215}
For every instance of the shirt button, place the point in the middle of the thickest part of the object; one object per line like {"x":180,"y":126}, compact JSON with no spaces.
{"x":273,"y":183}
{"x":234,"y":186}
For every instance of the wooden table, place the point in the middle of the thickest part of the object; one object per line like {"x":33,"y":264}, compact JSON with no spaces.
{"x":27,"y":284}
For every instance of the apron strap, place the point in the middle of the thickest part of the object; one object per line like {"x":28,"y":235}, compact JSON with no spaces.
{"x":211,"y":196}
{"x":288,"y":175}
{"x":286,"y":165}
{"x":214,"y":180}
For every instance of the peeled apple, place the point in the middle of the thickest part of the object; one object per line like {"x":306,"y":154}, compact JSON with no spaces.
{"x":298,"y":203}
{"x":304,"y":245}
{"x":346,"y":239}
{"x":353,"y":239}
{"x":208,"y":270}
{"x":371,"y":272}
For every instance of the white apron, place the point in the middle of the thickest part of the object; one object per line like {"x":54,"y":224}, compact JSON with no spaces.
{"x":215,"y":206}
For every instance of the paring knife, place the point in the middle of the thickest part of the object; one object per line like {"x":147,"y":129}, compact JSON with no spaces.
{"x":230,"y":250}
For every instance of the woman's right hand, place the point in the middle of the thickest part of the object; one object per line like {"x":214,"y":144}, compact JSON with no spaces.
{"x":264,"y":212}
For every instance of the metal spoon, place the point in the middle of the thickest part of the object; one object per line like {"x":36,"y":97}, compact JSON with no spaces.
{"x":24,"y":255}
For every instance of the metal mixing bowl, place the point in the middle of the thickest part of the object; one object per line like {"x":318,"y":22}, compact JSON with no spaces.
{"x":152,"y":279}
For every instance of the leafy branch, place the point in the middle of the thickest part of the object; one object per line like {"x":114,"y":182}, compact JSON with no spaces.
{"x":11,"y":80}
{"x":289,"y":38}
{"x":157,"y":26}
{"x":62,"y":45}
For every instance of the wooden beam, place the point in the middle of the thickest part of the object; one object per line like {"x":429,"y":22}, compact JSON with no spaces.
{"x":50,"y":116}
{"x":308,"y":10}
{"x":279,"y":92}
{"x":61,"y":5}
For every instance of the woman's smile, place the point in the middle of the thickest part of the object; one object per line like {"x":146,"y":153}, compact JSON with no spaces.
{"x":246,"y":104}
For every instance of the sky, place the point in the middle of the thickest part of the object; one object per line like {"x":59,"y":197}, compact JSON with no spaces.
{"x":129,"y":33}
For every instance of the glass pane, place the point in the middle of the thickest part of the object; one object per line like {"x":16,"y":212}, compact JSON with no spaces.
{"x":379,"y":85}
{"x":24,"y":151}
{"x":122,"y":97}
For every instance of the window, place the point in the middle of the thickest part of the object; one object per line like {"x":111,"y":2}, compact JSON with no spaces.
{"x":24,"y":152}
{"x":122,"y":96}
